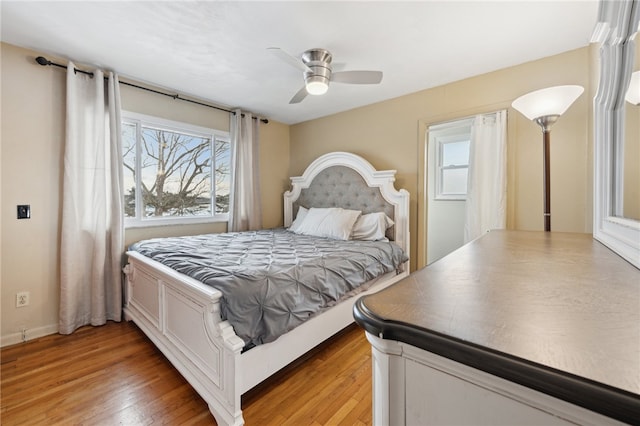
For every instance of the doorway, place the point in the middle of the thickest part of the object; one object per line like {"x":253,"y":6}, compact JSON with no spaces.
{"x":447,"y":172}
{"x":466,"y":181}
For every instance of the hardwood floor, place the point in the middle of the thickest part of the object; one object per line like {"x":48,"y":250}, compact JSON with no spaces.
{"x":113,"y":375}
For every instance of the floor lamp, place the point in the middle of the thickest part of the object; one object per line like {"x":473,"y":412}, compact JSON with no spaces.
{"x":544,"y":107}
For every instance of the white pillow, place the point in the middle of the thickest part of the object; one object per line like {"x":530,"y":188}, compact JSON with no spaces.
{"x":371,"y":227}
{"x":333,"y":222}
{"x":302,"y":213}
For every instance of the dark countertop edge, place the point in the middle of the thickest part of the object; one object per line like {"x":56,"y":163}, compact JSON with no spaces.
{"x":616,"y":403}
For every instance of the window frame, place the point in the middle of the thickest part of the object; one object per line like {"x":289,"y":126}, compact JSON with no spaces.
{"x":143,"y":120}
{"x":441,"y":141}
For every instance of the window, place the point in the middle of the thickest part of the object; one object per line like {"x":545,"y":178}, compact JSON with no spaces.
{"x":452,"y":154}
{"x":174,"y":172}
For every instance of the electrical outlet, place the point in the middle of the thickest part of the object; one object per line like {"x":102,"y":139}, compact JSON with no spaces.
{"x":22,"y":299}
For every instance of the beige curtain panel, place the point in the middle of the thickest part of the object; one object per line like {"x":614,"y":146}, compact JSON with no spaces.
{"x":92,"y":206}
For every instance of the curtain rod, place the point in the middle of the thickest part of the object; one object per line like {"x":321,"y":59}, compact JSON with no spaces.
{"x":44,"y":62}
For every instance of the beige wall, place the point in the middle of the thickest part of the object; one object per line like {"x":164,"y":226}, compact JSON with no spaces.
{"x":274,"y":172}
{"x":391,"y":135}
{"x":32,"y":136}
{"x":33,"y":104}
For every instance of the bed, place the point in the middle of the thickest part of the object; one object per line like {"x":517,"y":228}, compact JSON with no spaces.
{"x":183,"y":316}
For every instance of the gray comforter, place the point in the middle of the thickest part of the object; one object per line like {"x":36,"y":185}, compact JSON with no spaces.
{"x":273,"y":280}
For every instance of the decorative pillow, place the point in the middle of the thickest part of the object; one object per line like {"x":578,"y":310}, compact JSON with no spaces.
{"x":295,"y":225}
{"x":333,"y":222}
{"x":371,"y":227}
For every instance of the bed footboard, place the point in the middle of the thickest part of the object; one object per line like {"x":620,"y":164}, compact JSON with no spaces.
{"x":182,"y":318}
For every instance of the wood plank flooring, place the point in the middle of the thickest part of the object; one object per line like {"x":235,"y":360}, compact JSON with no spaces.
{"x":113,"y":375}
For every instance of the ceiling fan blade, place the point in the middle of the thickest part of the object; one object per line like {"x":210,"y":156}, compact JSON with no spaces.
{"x":291,"y":60}
{"x":357,"y":77}
{"x":298,"y":97}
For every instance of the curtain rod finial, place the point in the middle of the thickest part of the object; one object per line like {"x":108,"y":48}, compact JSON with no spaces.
{"x":42,"y":60}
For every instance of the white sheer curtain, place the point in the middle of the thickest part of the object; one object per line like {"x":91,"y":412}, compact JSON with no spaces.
{"x":244,"y":204}
{"x":487,"y":183}
{"x":92,"y":203}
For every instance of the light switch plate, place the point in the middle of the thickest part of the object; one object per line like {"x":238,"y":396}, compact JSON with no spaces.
{"x":24,"y":211}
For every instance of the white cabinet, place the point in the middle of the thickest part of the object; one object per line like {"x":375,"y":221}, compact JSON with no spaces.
{"x":415,"y":387}
{"x":515,"y":327}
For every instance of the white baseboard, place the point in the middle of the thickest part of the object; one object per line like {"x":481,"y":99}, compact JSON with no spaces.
{"x":31,"y":333}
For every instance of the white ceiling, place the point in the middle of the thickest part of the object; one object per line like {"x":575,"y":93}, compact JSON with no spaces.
{"x":217,"y":50}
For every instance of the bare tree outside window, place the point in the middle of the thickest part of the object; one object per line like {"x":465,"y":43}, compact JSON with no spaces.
{"x":176,"y":173}
{"x":175,"y":177}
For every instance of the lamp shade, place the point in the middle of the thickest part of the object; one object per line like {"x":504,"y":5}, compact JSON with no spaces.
{"x":633,"y":94}
{"x":545,"y":102}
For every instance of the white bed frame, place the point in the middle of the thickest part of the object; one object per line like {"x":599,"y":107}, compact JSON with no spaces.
{"x":181,"y":316}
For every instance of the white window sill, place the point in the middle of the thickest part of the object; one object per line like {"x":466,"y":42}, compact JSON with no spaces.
{"x":150,"y":223}
{"x":450,"y":198}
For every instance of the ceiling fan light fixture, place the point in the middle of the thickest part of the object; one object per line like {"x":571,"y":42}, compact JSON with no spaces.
{"x":317,"y":85}
{"x":315,"y":65}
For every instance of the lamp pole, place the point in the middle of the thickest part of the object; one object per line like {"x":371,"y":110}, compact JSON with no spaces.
{"x":545,"y":123}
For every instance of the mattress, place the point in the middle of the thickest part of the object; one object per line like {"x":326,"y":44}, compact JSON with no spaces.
{"x":273,"y":280}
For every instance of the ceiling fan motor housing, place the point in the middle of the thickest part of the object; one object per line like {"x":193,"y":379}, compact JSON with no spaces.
{"x":319,"y":63}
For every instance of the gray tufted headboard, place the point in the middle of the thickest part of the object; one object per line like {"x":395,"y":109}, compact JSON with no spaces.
{"x":341,"y":186}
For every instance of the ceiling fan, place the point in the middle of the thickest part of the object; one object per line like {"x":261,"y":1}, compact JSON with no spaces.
{"x":316,"y":66}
